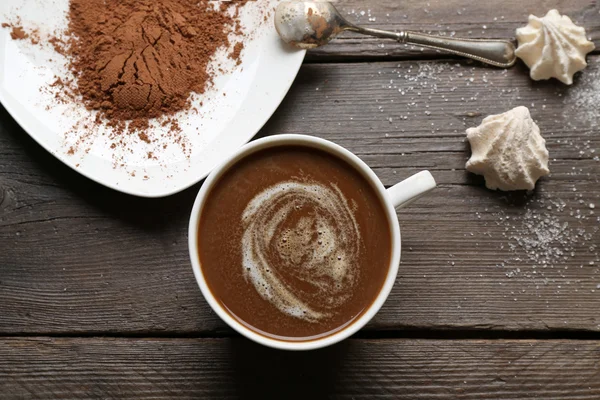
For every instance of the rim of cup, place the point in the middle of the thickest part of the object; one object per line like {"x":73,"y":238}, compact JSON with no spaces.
{"x":337,"y":151}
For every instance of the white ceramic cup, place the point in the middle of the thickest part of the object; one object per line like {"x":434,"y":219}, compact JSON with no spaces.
{"x":397,"y":196}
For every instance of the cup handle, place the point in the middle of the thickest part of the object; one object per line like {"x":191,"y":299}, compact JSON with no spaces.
{"x":410,"y":189}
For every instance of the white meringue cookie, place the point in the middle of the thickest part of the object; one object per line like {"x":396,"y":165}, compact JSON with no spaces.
{"x":553,"y":47}
{"x":508,"y":150}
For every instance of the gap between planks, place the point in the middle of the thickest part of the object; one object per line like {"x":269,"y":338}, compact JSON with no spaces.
{"x":366,"y":334}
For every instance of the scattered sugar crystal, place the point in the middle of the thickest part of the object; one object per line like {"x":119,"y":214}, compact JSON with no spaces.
{"x":581,"y":103}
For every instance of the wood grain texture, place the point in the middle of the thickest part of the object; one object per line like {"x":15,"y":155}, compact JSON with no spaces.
{"x":354,"y":369}
{"x":76,"y":257}
{"x":456,"y":18}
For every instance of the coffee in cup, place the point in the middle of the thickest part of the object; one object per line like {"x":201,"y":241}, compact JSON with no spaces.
{"x":294,"y":242}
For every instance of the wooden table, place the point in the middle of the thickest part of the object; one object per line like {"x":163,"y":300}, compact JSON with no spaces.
{"x":98,"y":299}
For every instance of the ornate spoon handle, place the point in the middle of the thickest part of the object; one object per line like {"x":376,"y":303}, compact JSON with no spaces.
{"x":499,"y":53}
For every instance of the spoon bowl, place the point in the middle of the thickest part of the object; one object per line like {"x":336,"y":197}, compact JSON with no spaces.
{"x":307,"y":24}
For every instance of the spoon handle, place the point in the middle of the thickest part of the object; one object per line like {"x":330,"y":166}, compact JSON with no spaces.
{"x":499,"y":53}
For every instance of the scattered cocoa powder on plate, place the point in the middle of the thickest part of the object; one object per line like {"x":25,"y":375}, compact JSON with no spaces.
{"x":136,"y":60}
{"x":17,"y":32}
{"x":235,"y":54}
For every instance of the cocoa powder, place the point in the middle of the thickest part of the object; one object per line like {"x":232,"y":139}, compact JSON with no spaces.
{"x":140,"y":59}
{"x":18,"y":33}
{"x":135,"y":60}
{"x":237,"y":51}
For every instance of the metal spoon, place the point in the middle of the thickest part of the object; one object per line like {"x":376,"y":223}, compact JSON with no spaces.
{"x":307,"y":24}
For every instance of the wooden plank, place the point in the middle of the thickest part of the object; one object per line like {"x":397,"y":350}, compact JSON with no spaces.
{"x":76,"y":257}
{"x":354,"y":369}
{"x":455,"y":18}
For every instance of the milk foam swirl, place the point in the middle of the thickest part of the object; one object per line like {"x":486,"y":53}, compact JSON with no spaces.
{"x":300,"y":248}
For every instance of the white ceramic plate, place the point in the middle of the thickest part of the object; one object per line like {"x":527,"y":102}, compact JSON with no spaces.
{"x":223,"y":124}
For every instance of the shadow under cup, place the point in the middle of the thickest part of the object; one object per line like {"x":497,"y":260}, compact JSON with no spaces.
{"x":237,"y":201}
